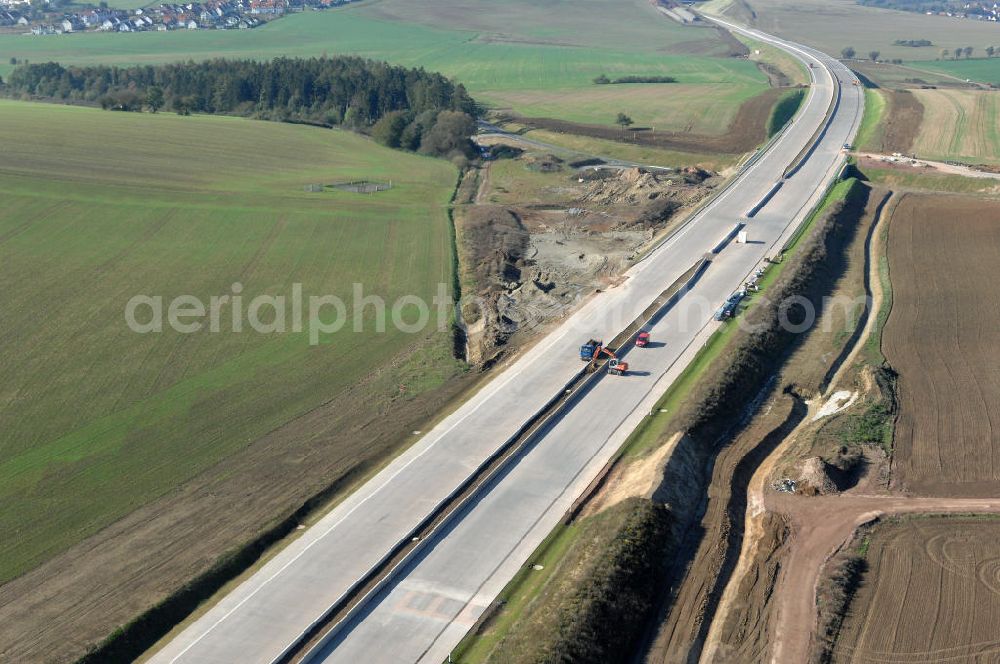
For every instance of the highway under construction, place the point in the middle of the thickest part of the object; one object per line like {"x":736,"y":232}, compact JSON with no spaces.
{"x":401,"y":569}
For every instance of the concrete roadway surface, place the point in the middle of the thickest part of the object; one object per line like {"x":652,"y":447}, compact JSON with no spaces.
{"x":443,"y":590}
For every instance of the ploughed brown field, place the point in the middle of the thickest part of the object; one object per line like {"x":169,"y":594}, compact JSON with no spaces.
{"x":931,"y":594}
{"x":943,"y":338}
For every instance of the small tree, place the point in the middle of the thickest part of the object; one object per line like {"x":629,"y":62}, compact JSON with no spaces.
{"x":602,"y":80}
{"x":944,"y":53}
{"x":990,"y":51}
{"x":848,"y":53}
{"x":968,"y":51}
{"x":389,"y":129}
{"x":154,"y":98}
{"x":13,"y":61}
{"x":873,"y":55}
{"x":624,"y":122}
{"x":450,"y":135}
{"x":183,"y":105}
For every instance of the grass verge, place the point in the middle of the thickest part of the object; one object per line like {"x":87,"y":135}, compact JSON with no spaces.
{"x":871,"y":120}
{"x":784,"y":110}
{"x":899,"y":179}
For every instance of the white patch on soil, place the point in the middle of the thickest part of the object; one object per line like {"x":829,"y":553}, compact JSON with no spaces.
{"x":836,"y":403}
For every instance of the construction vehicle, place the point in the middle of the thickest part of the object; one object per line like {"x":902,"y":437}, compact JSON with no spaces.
{"x":617,"y":367}
{"x":591,"y":352}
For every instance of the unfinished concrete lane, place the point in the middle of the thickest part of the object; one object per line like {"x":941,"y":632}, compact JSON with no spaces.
{"x":269,"y":611}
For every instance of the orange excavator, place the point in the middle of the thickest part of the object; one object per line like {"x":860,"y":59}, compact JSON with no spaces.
{"x":591,"y":352}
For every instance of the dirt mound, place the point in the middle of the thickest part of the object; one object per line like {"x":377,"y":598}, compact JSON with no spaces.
{"x":496,"y":241}
{"x":631,"y":187}
{"x":637,"y":186}
{"x":543,"y":163}
{"x":815,"y":477}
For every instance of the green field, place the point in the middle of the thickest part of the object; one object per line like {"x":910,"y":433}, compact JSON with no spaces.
{"x":912,"y":74}
{"x":99,"y":207}
{"x":980,"y":70}
{"x":655,"y":106}
{"x":544,"y":68}
{"x":628,"y":25}
{"x":874,"y":109}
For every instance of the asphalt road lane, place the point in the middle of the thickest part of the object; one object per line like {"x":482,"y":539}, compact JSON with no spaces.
{"x":268,"y":612}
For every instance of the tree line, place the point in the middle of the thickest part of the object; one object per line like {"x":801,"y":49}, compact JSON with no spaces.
{"x":848,"y":53}
{"x":350,"y":92}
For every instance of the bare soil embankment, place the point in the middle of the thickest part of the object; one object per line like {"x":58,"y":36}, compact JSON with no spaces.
{"x":728,"y":444}
{"x":936,"y":247}
{"x":718,"y":535}
{"x":900,"y":123}
{"x":724,"y":606}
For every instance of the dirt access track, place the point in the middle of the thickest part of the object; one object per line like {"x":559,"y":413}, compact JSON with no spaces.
{"x":942,"y":338}
{"x":747,"y":130}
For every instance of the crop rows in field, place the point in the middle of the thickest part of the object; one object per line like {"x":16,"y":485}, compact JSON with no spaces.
{"x":931,"y":593}
{"x":958,"y":124}
{"x":942,"y":338}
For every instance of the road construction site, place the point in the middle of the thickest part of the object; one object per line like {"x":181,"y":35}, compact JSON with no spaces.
{"x":427,"y":600}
